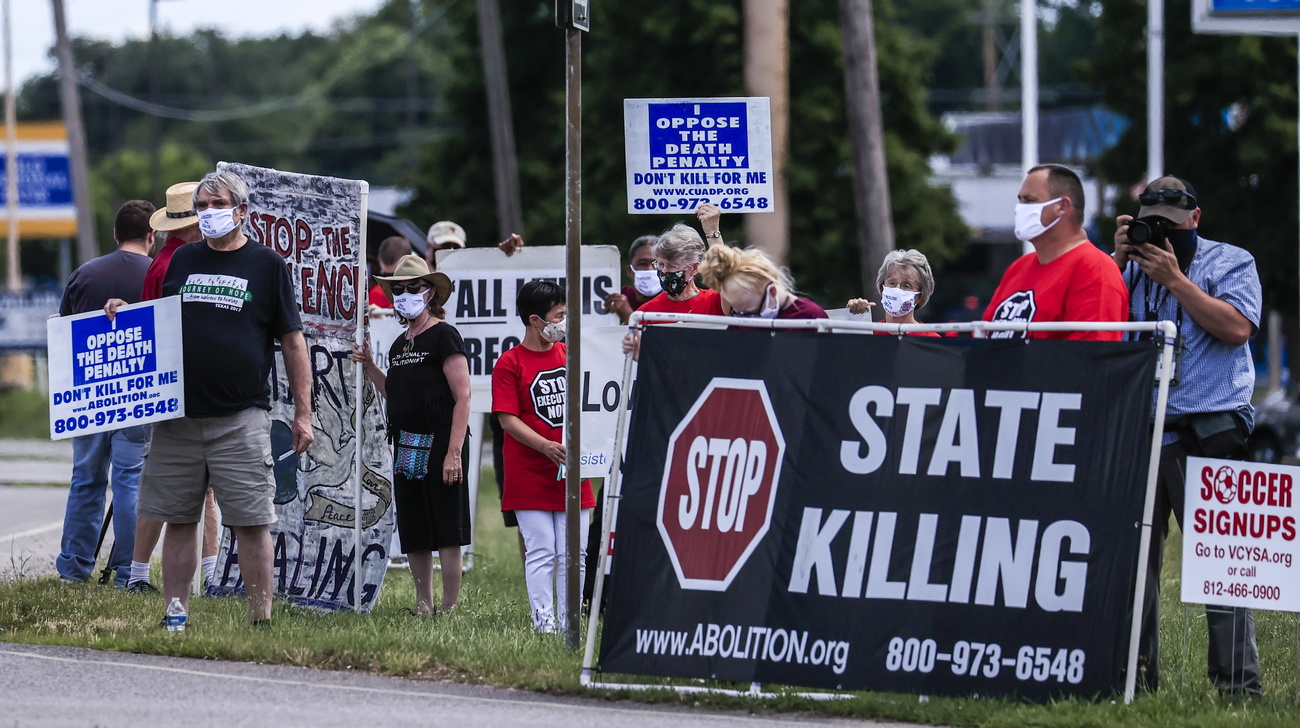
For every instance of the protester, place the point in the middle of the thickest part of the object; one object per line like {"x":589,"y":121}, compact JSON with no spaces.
{"x":427,"y":391}
{"x":1066,"y":278}
{"x":752,"y":286}
{"x":181,"y":224}
{"x":1211,"y":291}
{"x":391,"y":250}
{"x":119,"y":274}
{"x":905,"y":285}
{"x":529,"y":399}
{"x":645,"y":281}
{"x":447,"y":235}
{"x":678,"y":254}
{"x":236,"y":300}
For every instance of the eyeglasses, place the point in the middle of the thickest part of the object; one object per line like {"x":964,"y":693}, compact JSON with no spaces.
{"x":412,"y":287}
{"x":905,"y":285}
{"x":1173,"y":197}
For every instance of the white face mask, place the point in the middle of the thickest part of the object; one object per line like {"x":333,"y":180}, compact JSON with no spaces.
{"x":1029,"y":219}
{"x":555,"y":331}
{"x":410,"y":305}
{"x":898,"y":302}
{"x":216,"y":222}
{"x":646,"y":282}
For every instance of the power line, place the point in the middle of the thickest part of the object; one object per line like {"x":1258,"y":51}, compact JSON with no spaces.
{"x":315,"y":92}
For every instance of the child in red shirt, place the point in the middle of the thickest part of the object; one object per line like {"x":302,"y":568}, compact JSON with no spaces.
{"x":528,"y":397}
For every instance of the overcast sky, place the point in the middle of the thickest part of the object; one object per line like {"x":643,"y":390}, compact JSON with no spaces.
{"x":118,"y":20}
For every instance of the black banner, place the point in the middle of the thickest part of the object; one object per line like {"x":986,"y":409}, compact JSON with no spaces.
{"x":936,"y":516}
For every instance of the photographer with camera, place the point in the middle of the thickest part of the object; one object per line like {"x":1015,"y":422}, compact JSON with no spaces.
{"x":1211,"y":291}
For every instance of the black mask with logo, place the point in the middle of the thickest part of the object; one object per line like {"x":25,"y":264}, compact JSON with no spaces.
{"x":675,"y":283}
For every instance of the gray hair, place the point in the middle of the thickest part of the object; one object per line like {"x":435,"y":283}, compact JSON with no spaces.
{"x":913,"y":261}
{"x":223,"y":181}
{"x":680,"y":245}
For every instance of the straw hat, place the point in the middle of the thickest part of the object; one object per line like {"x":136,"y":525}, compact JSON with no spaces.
{"x":179,"y":212}
{"x":411,"y":267}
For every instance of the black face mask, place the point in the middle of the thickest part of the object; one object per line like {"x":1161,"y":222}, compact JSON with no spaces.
{"x":1184,"y":244}
{"x":674,"y":284}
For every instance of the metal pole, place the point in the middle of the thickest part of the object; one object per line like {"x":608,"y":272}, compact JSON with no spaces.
{"x":359,"y":388}
{"x":14,"y":278}
{"x":1155,"y":89}
{"x":1028,"y":90}
{"x":573,"y":378}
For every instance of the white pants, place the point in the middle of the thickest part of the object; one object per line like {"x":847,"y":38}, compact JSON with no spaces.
{"x":545,"y":570}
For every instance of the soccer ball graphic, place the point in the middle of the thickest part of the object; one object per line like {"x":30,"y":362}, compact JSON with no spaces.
{"x":1224,"y":489}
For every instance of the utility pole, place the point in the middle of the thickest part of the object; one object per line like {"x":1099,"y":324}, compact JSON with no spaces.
{"x":867,"y":135}
{"x":412,"y":90}
{"x":14,"y":279}
{"x":573,"y":16}
{"x":505,"y":166}
{"x":69,"y":98}
{"x":767,"y":73}
{"x":155,"y":172}
{"x":992,"y":92}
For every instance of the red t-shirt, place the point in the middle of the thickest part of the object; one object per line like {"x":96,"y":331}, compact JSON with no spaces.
{"x":705,"y":302}
{"x":153,"y":278}
{"x":910,"y":333}
{"x":1082,"y":285}
{"x":379,"y":298}
{"x":802,"y":308}
{"x":529,"y":385}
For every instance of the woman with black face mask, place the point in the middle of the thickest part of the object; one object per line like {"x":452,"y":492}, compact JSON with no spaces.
{"x":678,"y":255}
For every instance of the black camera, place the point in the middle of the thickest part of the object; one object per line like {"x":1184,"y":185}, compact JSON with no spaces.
{"x":1148,"y":230}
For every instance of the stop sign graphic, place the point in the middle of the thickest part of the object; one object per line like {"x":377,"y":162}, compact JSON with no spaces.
{"x":720,"y":480}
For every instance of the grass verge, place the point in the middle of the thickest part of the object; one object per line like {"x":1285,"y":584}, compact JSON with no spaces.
{"x":488,"y":639}
{"x":24,"y":414}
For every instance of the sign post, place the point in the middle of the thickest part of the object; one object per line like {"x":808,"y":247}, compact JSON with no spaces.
{"x":39,"y":196}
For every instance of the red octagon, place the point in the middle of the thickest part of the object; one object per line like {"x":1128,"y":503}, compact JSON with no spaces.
{"x":720,"y":480}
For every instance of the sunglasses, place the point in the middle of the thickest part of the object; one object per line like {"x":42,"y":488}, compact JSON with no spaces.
{"x":413,"y":287}
{"x":1173,"y":197}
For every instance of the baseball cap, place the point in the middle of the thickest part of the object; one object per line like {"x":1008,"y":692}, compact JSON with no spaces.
{"x":446,"y":231}
{"x":1168,"y":197}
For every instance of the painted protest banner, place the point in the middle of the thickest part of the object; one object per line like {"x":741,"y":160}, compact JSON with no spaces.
{"x":937,"y":516}
{"x":106,"y":375}
{"x":682,"y":153}
{"x":482,"y":305}
{"x":317,"y":225}
{"x":1239,"y":535}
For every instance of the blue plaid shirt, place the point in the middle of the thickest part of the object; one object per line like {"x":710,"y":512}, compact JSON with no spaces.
{"x":1213,"y":376}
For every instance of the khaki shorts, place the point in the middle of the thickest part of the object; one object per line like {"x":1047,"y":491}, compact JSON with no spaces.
{"x":232,"y":455}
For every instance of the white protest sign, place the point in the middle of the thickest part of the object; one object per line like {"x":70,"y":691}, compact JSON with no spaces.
{"x":682,"y":153}
{"x":317,"y":225}
{"x":1239,"y":535}
{"x":106,"y":375}
{"x":602,"y":394}
{"x":482,"y":305}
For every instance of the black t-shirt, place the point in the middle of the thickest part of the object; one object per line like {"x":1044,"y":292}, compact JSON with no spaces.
{"x":234,"y":305}
{"x":119,"y":274}
{"x":419,"y":396}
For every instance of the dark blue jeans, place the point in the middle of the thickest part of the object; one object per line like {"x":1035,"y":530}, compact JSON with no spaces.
{"x":92,"y":456}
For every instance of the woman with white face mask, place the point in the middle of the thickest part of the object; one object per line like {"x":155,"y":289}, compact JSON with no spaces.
{"x":427,"y":392}
{"x":905,"y":284}
{"x":645,"y":279}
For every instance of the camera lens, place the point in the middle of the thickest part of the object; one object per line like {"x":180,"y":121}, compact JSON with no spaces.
{"x":1140,"y":232}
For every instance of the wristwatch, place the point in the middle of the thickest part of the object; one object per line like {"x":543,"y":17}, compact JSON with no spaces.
{"x":714,"y":234}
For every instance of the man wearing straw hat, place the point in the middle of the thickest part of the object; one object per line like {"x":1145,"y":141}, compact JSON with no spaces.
{"x":181,"y":224}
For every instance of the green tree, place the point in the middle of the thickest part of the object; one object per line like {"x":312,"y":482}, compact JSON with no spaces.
{"x":124,"y":175}
{"x":1230,"y":113}
{"x":641,"y":49}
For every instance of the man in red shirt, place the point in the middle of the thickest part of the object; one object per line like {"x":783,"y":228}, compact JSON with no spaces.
{"x":390,"y":251}
{"x":1066,"y":278}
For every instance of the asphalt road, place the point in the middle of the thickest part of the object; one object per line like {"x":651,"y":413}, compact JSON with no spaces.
{"x":31,"y":524}
{"x":66,"y":686}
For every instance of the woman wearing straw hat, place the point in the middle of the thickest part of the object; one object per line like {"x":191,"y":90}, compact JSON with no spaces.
{"x":427,"y":389}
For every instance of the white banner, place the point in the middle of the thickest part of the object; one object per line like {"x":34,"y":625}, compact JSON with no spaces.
{"x":317,"y":224}
{"x":602,"y":384}
{"x":682,"y":153}
{"x":482,"y":303}
{"x":1239,"y":535}
{"x":106,"y":375}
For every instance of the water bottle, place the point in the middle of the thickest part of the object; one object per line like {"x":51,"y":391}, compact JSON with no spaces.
{"x":175,"y":615}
